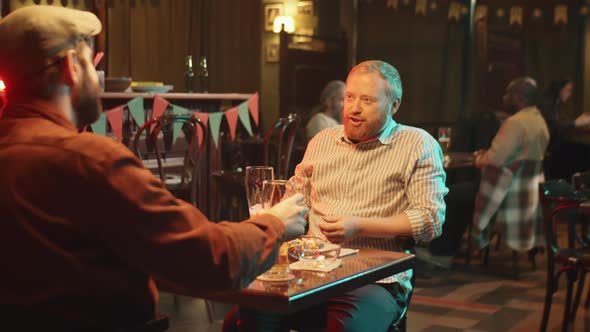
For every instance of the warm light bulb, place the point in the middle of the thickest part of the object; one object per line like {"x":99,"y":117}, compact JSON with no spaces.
{"x":2,"y":86}
{"x":286,"y":21}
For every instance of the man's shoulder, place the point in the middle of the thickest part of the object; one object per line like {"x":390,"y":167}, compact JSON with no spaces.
{"x":97,"y":148}
{"x":331,"y":133}
{"x":413,"y":134}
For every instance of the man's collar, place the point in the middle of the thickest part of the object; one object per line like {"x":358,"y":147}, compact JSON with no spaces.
{"x":385,"y":137}
{"x":39,"y":109}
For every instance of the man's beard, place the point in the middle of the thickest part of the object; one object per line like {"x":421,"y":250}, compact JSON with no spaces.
{"x":87,"y":105}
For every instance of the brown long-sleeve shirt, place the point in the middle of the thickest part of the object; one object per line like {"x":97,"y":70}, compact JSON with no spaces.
{"x":84,"y":228}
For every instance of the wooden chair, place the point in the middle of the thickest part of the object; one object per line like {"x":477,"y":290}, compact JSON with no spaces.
{"x":281,"y":138}
{"x":184,"y":184}
{"x":557,"y":197}
{"x":406,"y":243}
{"x":277,"y":148}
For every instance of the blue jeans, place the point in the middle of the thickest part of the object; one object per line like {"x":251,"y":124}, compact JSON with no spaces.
{"x":372,"y":308}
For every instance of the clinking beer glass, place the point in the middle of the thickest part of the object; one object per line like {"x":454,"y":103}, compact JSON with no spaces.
{"x":273,"y":192}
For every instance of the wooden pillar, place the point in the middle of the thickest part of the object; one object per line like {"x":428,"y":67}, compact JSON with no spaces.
{"x":99,"y":9}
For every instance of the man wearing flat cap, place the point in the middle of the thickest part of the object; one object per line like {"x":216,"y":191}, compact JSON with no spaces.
{"x":85,"y":229}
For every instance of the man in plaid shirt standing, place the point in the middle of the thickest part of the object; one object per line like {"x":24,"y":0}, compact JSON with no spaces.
{"x":511,"y":172}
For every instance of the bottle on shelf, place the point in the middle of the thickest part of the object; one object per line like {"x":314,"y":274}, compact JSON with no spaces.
{"x":203,"y":75}
{"x":189,"y":74}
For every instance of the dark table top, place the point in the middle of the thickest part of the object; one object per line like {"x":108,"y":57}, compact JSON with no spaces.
{"x":309,"y":288}
{"x":459,"y":160}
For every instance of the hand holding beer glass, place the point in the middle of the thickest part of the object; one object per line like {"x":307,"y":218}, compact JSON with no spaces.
{"x":266,"y":195}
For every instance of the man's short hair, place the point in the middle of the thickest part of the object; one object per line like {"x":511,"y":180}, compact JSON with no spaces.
{"x":527,"y":88}
{"x":33,"y":38}
{"x":330,"y":91}
{"x":387,"y":72}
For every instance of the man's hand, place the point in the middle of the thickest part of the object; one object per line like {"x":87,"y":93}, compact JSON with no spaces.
{"x":292,"y":213}
{"x":583,"y":120}
{"x":338,"y":229}
{"x":478,"y":158}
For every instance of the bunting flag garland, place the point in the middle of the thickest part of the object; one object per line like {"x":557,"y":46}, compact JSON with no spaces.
{"x":204,"y":117}
{"x":177,"y":125}
{"x":213,"y":120}
{"x":516,"y":15}
{"x":454,"y":11}
{"x":245,"y":117}
{"x":115,"y":117}
{"x":231,"y":116}
{"x":560,"y":14}
{"x":421,"y":7}
{"x":135,"y":107}
{"x":392,"y":4}
{"x":160,"y":105}
{"x":214,"y":123}
{"x":99,"y":127}
{"x":513,"y":15}
{"x":253,"y":104}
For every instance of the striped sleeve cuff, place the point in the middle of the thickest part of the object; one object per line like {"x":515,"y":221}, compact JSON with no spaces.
{"x":417,"y":222}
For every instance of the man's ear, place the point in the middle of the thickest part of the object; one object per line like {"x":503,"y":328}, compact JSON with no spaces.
{"x":70,"y":69}
{"x":395,"y":105}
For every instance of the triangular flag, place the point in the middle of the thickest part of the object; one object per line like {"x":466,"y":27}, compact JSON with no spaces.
{"x":99,"y":127}
{"x":160,"y":105}
{"x":560,"y":14}
{"x":177,"y":125}
{"x":253,"y":104}
{"x":232,"y":120}
{"x":421,"y":7}
{"x":214,"y":123}
{"x":245,"y":117}
{"x":204,"y":117}
{"x":135,"y":107}
{"x":115,"y":117}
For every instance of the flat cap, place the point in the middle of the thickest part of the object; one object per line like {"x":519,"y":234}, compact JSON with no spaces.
{"x":32,"y":37}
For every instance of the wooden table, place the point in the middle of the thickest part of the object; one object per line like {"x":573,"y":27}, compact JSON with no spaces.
{"x":309,"y":288}
{"x":459,"y":160}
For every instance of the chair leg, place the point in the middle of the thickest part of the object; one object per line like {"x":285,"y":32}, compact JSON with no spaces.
{"x":515,"y":262}
{"x":486,"y":255}
{"x":498,"y":241}
{"x":571,"y":278}
{"x":579,"y":290}
{"x":547,"y":307}
{"x":468,"y":253}
{"x":532,"y":255}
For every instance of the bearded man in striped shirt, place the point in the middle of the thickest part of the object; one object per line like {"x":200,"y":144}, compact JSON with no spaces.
{"x":368,"y":182}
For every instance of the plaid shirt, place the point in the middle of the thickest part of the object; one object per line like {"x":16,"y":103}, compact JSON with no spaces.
{"x":512,"y":195}
{"x":508,"y":200}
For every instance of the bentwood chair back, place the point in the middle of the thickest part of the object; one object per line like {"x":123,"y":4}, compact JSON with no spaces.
{"x":557,"y":199}
{"x":180,"y":178}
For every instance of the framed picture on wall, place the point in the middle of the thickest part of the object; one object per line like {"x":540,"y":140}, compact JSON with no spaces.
{"x":271,"y":53}
{"x":271,"y":11}
{"x":305,"y":8}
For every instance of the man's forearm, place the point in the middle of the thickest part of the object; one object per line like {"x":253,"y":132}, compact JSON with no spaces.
{"x":386,"y":227}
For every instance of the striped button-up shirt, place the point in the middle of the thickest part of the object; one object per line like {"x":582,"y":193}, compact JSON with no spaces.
{"x":401,"y":171}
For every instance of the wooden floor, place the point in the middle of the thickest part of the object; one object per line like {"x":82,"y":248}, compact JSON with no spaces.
{"x":465,"y":298}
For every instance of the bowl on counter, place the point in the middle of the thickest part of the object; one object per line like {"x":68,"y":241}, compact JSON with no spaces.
{"x":152,"y":88}
{"x":116,"y":84}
